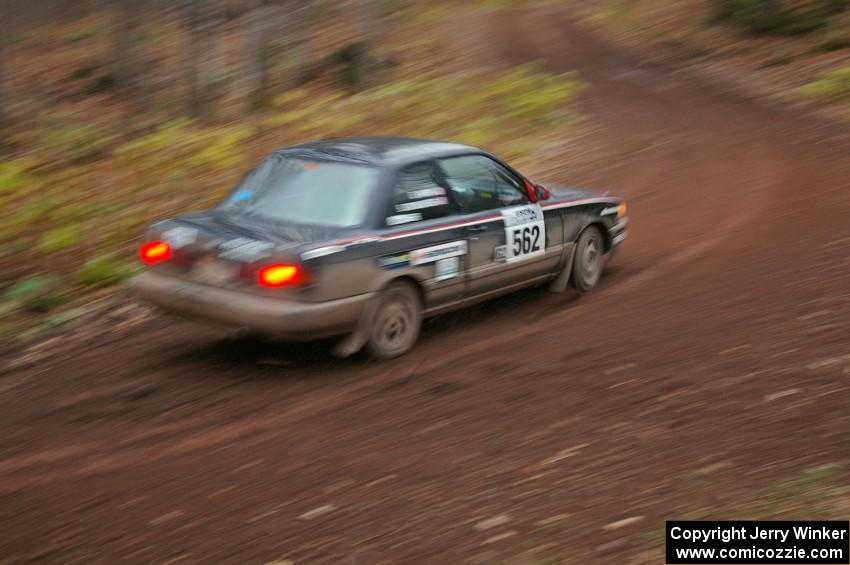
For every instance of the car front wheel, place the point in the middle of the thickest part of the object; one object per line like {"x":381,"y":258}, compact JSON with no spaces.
{"x":396,"y":322}
{"x":588,"y":261}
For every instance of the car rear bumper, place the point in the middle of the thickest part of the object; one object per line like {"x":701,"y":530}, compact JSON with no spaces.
{"x":269,"y":316}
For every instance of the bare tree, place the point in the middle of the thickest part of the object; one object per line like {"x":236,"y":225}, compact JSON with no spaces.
{"x":5,"y":85}
{"x":202,"y":20}
{"x":300,"y":18}
{"x":128,"y":41}
{"x":259,"y":44}
{"x":368,"y":60}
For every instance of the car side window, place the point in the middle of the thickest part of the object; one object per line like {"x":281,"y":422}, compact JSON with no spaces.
{"x":479,"y":183}
{"x":418,"y":195}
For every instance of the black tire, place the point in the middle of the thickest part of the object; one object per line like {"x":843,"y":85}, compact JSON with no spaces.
{"x":588,"y":260}
{"x":396,"y":322}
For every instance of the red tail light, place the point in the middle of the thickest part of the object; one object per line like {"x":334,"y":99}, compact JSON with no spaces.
{"x":155,"y":251}
{"x":280,"y":274}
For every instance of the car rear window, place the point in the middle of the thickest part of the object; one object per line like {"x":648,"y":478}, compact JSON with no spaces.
{"x":320,"y":193}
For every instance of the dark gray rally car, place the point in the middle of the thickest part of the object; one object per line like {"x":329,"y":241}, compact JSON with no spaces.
{"x":363,"y":237}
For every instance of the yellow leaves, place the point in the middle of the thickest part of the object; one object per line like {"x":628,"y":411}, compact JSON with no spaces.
{"x":833,"y":86}
{"x":15,"y":177}
{"x":474,"y":108}
{"x":99,"y":205}
{"x":290,"y":97}
{"x":177,"y":148}
{"x":60,"y":238}
{"x":478,"y":109}
{"x":223,"y":149}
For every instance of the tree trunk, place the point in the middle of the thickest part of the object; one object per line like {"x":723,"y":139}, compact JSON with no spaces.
{"x":368,"y":61}
{"x":128,"y":40}
{"x":5,"y":86}
{"x":260,"y":23}
{"x":202,"y":56}
{"x":301,"y":17}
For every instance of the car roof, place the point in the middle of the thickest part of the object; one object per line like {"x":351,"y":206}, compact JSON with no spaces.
{"x":378,"y":150}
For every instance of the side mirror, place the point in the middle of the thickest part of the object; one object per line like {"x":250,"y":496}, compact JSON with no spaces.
{"x":542,"y":192}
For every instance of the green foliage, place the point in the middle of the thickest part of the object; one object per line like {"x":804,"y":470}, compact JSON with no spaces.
{"x":179,"y":146}
{"x":38,"y":293}
{"x":804,"y":496}
{"x":185,"y":164}
{"x":765,"y":17}
{"x":60,"y":238}
{"x":73,"y":142}
{"x":473,"y":108}
{"x":833,"y":86}
{"x":62,"y":318}
{"x":104,"y":270}
{"x":15,"y":176}
{"x":220,"y":149}
{"x":85,"y":33}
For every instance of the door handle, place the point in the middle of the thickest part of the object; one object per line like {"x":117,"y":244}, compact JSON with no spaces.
{"x":478,"y":228}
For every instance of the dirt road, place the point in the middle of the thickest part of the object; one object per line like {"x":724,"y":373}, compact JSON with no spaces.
{"x":712,"y":363}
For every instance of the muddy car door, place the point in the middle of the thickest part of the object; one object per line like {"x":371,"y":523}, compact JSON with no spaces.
{"x":509,"y":242}
{"x":424,"y":237}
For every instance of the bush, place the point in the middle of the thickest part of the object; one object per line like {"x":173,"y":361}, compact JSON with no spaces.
{"x":15,"y":176}
{"x":65,"y":143}
{"x":833,"y":86}
{"x":104,"y":270}
{"x":777,"y":17}
{"x":60,"y":238}
{"x":39,"y":293}
{"x":474,"y":108}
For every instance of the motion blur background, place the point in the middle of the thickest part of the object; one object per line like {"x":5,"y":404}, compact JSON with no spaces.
{"x":708,"y":378}
{"x":118,"y":112}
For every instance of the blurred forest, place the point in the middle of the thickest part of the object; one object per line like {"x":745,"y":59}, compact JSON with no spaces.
{"x":132,"y":59}
{"x":115,"y":113}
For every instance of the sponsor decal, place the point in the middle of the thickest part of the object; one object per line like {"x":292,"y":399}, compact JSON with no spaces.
{"x":500,"y":253}
{"x":394,"y":261}
{"x":525,"y":232}
{"x":437,"y":252}
{"x":446,"y":269}
{"x":421,"y":204}
{"x":180,"y":236}
{"x":403,"y":219}
{"x":427,"y":193}
{"x":242,"y":195}
{"x":244,"y":249}
{"x":522,"y":215}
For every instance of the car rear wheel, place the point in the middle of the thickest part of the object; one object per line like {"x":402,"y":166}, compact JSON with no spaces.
{"x":396,"y":322}
{"x":588,"y":260}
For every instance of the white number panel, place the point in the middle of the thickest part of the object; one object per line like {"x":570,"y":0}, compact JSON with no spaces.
{"x":525,"y":233}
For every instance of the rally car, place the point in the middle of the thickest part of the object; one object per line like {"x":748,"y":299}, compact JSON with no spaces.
{"x":363,"y":237}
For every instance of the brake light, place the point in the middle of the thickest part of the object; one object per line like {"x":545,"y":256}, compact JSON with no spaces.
{"x":155,"y":251}
{"x":274,"y":276}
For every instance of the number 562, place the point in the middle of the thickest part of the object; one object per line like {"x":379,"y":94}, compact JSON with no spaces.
{"x":526,"y":240}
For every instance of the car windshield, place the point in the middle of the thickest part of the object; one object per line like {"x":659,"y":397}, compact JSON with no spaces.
{"x":319,"y":193}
